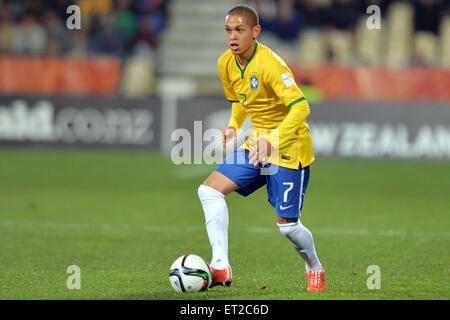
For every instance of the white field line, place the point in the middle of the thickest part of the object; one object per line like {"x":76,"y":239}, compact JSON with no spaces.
{"x":50,"y":225}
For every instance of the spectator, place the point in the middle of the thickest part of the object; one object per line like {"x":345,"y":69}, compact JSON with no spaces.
{"x":34,"y":8}
{"x":90,"y":8}
{"x":145,"y":37}
{"x":79,"y":45}
{"x":311,"y":13}
{"x":106,"y":37}
{"x":156,"y":9}
{"x":289,"y":22}
{"x":58,"y":42}
{"x":343,"y":15}
{"x":59,"y":7}
{"x":6,"y":30}
{"x":427,"y":16}
{"x":17,"y":9}
{"x":29,"y":37}
{"x":279,"y":18}
{"x":37,"y":27}
{"x":126,"y":20}
{"x":267,"y":13}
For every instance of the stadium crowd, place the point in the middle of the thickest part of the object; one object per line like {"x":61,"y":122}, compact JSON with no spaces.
{"x":287,"y":18}
{"x":122,"y":27}
{"x":38,"y":27}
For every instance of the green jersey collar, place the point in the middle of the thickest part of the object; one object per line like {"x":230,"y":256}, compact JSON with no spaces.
{"x":239,"y":66}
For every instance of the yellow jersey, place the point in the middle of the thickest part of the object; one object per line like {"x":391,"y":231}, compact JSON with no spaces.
{"x":265,"y":90}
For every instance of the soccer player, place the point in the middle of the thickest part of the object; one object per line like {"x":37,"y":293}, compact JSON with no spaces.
{"x":259,"y":84}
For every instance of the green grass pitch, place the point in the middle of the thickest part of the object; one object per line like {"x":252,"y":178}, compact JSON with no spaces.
{"x":123,"y":217}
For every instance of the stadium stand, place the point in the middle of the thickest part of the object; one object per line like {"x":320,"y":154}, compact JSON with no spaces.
{"x":312,"y":48}
{"x":445,"y":42}
{"x":369,"y":46}
{"x":155,"y":39}
{"x":194,"y":41}
{"x":399,"y":35}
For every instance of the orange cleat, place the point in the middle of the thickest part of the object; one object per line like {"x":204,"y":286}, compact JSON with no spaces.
{"x":221,"y":277}
{"x":316,"y":280}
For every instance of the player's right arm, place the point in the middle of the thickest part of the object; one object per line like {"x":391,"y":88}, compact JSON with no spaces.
{"x":238,"y":114}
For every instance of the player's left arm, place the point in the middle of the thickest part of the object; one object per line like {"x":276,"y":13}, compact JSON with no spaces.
{"x":262,"y":149}
{"x":279,"y":77}
{"x":283,"y":84}
{"x":291,"y":123}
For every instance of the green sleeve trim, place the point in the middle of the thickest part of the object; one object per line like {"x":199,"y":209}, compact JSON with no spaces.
{"x":295,"y":101}
{"x":233,"y":101}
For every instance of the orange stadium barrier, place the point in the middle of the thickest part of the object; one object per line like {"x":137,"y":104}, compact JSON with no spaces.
{"x":71,"y":76}
{"x":101,"y":76}
{"x":377,"y":84}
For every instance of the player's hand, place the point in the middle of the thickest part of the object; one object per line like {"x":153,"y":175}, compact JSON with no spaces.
{"x":260,"y":152}
{"x":227,"y":135}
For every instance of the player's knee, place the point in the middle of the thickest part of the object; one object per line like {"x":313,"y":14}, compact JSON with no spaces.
{"x":220,"y":183}
{"x":283,"y":220}
{"x":207,"y":193}
{"x":287,"y":228}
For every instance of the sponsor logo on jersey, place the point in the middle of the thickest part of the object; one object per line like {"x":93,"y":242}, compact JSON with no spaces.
{"x":254,"y":81}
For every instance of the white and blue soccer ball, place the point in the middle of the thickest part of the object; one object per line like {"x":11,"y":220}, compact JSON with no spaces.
{"x":190,"y":273}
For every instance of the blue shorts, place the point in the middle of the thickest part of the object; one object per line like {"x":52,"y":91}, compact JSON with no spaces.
{"x":285,"y":187}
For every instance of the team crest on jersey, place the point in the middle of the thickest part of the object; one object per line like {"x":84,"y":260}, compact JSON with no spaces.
{"x":254,"y":81}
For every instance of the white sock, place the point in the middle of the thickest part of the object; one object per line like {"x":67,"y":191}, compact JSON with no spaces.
{"x":303,"y":243}
{"x":216,"y":220}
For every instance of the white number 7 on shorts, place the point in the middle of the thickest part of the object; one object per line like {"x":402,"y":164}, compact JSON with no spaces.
{"x":291,"y":185}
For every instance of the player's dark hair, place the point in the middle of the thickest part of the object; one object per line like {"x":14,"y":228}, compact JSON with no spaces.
{"x":248,"y":12}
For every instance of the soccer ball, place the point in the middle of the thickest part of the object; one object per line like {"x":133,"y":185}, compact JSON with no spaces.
{"x":190,"y":273}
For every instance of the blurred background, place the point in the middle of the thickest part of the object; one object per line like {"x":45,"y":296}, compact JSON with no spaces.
{"x":135,"y":70}
{"x":92,"y":95}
